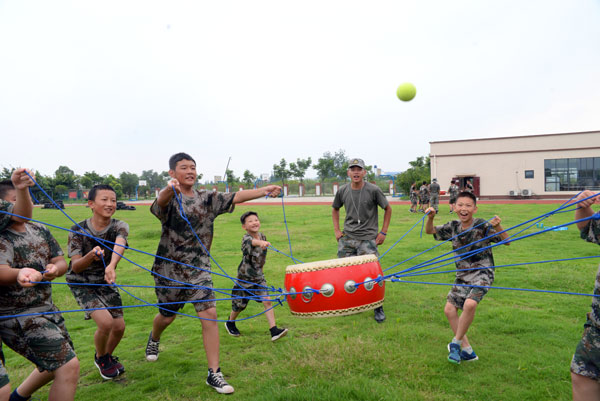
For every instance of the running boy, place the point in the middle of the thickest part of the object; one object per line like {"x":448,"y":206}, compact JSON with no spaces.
{"x":29,"y":254}
{"x":94,"y":262}
{"x":251,"y":278}
{"x":585,"y":366}
{"x":469,"y":233}
{"x":178,"y":243}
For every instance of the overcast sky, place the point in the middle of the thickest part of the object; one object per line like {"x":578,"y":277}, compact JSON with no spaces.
{"x":121,"y":85}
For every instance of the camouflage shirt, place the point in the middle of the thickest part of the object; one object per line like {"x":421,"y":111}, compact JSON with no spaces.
{"x":434,"y":189}
{"x":253,"y":260}
{"x":591,"y":233}
{"x":81,"y":245}
{"x":5,"y":218}
{"x":482,"y":259}
{"x":34,"y":248}
{"x":178,"y":242}
{"x":453,"y":191}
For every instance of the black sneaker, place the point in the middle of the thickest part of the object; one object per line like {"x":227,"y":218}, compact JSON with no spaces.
{"x":108,"y":370}
{"x":119,"y":365}
{"x":277,"y":333}
{"x":152,"y":349}
{"x":216,"y":381}
{"x":379,"y":315}
{"x":231,"y":328}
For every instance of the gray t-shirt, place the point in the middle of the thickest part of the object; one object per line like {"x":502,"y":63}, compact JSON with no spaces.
{"x":361,"y":210}
{"x":434,"y":189}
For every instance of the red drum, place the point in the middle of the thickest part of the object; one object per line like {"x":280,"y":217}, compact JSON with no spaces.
{"x":335,"y":283}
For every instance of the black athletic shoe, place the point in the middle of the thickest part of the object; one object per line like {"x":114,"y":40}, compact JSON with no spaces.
{"x":277,"y":333}
{"x":119,"y":365}
{"x":217,"y":381}
{"x":152,"y":349}
{"x":231,"y":328}
{"x":108,"y":370}
{"x":379,"y":315}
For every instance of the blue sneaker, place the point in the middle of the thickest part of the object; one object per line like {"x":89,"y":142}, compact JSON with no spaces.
{"x":465,"y":356}
{"x":454,"y":354}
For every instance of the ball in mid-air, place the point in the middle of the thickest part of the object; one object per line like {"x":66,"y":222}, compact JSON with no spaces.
{"x":406,"y":92}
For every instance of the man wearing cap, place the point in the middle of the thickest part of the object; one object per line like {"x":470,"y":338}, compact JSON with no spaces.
{"x":434,"y":193}
{"x":360,"y":200}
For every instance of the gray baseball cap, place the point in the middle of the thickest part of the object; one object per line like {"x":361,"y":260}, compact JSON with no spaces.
{"x":356,"y":162}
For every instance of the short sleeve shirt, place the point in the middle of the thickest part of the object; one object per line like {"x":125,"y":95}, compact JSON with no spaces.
{"x":177,"y":240}
{"x":481,"y":229}
{"x":253,"y":260}
{"x":591,"y":233}
{"x":361,"y":210}
{"x":34,"y":248}
{"x":82,"y":244}
{"x":5,"y":219}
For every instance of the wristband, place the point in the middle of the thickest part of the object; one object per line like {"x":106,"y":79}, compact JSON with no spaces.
{"x":381,"y":232}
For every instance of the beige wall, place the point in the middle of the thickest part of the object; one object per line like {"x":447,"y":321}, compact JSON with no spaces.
{"x":500,"y":162}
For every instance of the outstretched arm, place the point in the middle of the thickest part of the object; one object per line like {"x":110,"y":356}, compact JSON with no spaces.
{"x":166,"y":194}
{"x":585,"y":207}
{"x":22,"y":182}
{"x":249,"y":194}
{"x":110,"y":274}
{"x":495,"y":222}
{"x":429,"y":227}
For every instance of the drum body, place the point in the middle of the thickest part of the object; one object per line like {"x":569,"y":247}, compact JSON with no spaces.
{"x":345,"y":286}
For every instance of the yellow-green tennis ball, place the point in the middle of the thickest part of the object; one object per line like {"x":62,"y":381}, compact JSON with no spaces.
{"x":406,"y":92}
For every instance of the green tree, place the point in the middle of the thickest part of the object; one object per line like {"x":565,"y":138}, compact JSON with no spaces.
{"x":340,"y":165}
{"x":66,"y":177}
{"x":325,"y":166}
{"x":231,"y":179}
{"x":299,"y":168}
{"x":114,"y":182}
{"x":129,"y":182}
{"x":89,"y":179}
{"x":248,"y":179}
{"x":6,"y":173}
{"x":280,"y":170}
{"x":419,"y":171}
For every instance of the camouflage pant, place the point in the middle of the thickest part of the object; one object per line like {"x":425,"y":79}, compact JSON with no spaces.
{"x":202,"y":298}
{"x":93,"y":297}
{"x":44,"y":340}
{"x":586,"y":360}
{"x":356,"y":247}
{"x":435,"y":200}
{"x":3,"y":373}
{"x":460,"y":293}
{"x":239,"y":290}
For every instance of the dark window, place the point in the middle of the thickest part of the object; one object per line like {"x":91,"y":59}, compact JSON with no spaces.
{"x":528,"y":173}
{"x":574,"y":174}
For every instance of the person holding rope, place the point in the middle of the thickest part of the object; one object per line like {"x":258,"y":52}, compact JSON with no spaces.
{"x":360,"y":200}
{"x":585,"y":365}
{"x":178,"y":242}
{"x":467,"y":230}
{"x":88,"y":266}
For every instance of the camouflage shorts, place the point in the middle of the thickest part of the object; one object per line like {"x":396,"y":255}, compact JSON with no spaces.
{"x":356,"y":247}
{"x":244,"y":290}
{"x":92,"y":297}
{"x":586,"y":360}
{"x":460,"y":293}
{"x":3,"y":373}
{"x":202,"y":298}
{"x":44,"y":340}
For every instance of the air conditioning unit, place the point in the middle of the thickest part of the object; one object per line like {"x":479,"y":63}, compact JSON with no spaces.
{"x":526,"y":192}
{"x":513,"y":193}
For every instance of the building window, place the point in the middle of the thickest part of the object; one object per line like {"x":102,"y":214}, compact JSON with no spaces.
{"x":528,"y":173}
{"x":573,"y":174}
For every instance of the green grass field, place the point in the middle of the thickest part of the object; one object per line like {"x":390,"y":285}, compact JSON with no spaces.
{"x":524,"y":340}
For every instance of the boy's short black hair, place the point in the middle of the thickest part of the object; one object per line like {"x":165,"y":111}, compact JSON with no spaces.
{"x":245,"y":216}
{"x":467,"y":194}
{"x":177,"y":157}
{"x":5,"y":186}
{"x":99,"y":187}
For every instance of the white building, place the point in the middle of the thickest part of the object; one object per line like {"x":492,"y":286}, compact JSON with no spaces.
{"x":540,"y":166}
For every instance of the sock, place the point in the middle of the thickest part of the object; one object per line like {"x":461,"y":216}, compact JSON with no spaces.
{"x":15,"y":396}
{"x":468,"y":349}
{"x":455,"y":341}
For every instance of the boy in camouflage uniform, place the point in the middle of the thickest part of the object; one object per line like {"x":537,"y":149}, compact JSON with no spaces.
{"x":585,"y":366}
{"x":424,"y":196}
{"x":465,"y":231}
{"x":179,"y":243}
{"x":453,"y":192}
{"x":88,"y":260}
{"x":434,"y":190}
{"x":414,"y":195}
{"x":251,"y":278}
{"x":29,"y":254}
{"x":361,"y":200}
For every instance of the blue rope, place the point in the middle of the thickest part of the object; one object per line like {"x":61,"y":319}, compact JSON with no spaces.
{"x":404,"y":235}
{"x":285,"y":254}
{"x":286,"y":225}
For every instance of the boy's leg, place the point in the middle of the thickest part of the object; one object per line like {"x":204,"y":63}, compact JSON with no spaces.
{"x":34,"y":381}
{"x":65,"y":382}
{"x":451,"y":313}
{"x":116,"y":334}
{"x":210,"y":337}
{"x":104,"y":322}
{"x":159,"y":325}
{"x":465,"y":320}
{"x":5,"y":392}
{"x":584,"y":388}
{"x":270,"y":314}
